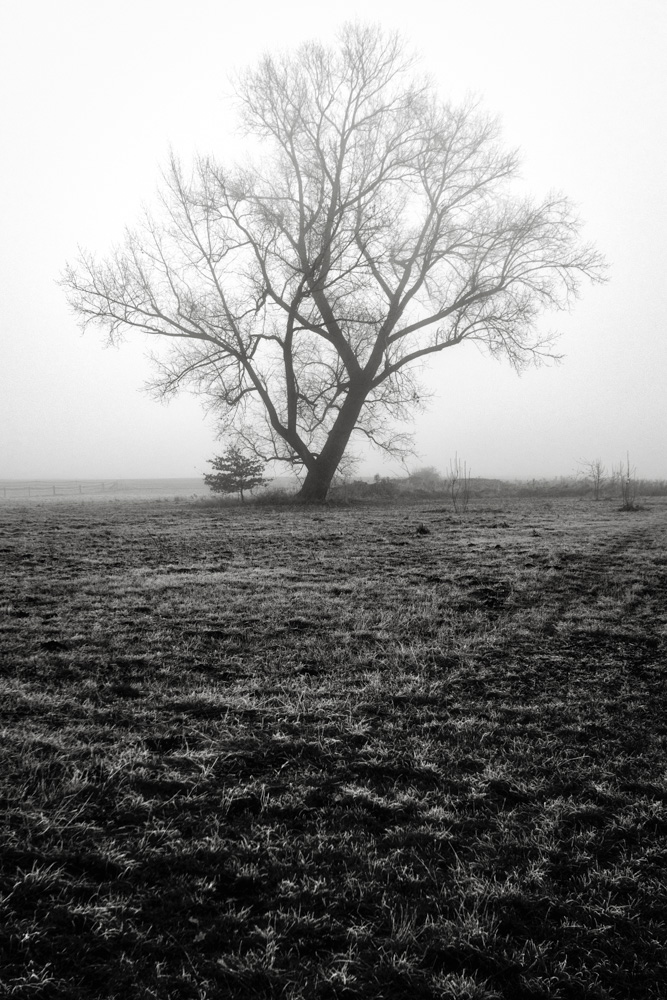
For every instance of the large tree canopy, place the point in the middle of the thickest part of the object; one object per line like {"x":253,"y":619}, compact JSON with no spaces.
{"x":376,"y":226}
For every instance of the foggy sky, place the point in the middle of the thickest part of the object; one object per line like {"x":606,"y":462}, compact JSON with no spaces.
{"x":93,"y":95}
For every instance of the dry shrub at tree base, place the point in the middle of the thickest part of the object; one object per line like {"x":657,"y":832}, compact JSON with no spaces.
{"x":317,"y":754}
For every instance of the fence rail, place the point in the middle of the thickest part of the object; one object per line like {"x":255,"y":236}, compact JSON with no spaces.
{"x":41,"y":490}
{"x":107,"y":488}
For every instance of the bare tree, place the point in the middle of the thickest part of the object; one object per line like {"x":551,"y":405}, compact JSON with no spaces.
{"x":458,"y":484}
{"x":379,"y":228}
{"x":596,"y":472}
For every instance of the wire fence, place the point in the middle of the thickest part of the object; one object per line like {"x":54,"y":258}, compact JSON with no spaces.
{"x":98,"y":489}
{"x":40,"y":490}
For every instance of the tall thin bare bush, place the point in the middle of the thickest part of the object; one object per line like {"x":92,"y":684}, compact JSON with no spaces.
{"x":458,"y":484}
{"x":626,"y":476}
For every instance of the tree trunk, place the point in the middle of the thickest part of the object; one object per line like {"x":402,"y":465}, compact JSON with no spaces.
{"x":316,"y":484}
{"x":318,"y":478}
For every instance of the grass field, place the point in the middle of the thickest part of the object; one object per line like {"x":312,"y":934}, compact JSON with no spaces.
{"x":314,"y":754}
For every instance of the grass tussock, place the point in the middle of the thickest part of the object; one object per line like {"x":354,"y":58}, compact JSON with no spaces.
{"x":323,"y":754}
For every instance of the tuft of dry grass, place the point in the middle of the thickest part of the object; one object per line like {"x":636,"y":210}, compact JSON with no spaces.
{"x":319,"y":754}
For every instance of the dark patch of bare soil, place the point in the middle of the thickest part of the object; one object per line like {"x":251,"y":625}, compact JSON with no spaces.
{"x":321,"y":754}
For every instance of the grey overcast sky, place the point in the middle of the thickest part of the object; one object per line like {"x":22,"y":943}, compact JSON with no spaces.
{"x":93,"y":94}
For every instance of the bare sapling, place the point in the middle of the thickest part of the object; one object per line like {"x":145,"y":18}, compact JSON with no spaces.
{"x":627,"y":479}
{"x":458,"y":484}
